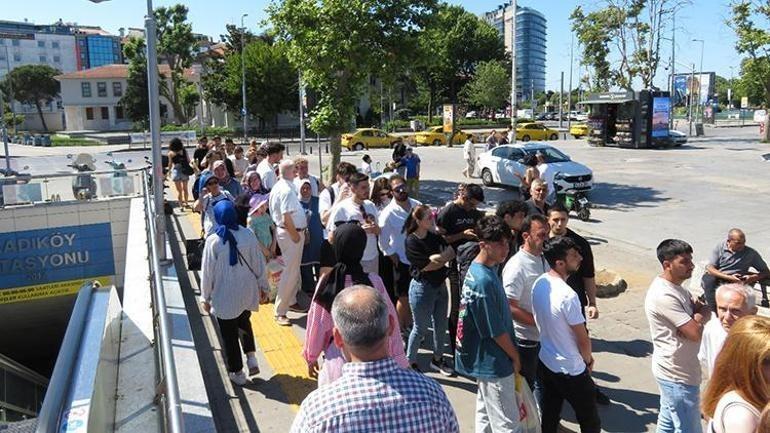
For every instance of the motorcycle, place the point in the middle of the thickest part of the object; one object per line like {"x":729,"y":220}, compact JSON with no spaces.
{"x":119,"y":183}
{"x":573,"y":199}
{"x":83,"y":185}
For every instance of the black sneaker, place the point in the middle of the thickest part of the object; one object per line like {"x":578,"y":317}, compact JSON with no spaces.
{"x":415,"y":367}
{"x":440,"y":366}
{"x":602,"y":398}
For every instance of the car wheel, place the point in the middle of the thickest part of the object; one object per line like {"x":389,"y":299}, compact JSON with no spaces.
{"x":358,"y":146}
{"x":437,"y":142}
{"x":554,"y":136}
{"x":525,"y":138}
{"x":486,"y":177}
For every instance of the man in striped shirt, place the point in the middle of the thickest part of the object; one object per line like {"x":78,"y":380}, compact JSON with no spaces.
{"x":374,"y":393}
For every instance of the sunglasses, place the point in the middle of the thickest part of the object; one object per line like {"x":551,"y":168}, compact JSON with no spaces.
{"x":399,"y":189}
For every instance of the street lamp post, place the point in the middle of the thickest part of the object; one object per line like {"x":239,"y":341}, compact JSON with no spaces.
{"x":244,"y":113}
{"x":700,"y":108}
{"x":730,"y":88}
{"x":302,"y":115}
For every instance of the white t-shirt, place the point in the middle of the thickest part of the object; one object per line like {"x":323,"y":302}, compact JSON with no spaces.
{"x":711,"y":343}
{"x":284,"y":199}
{"x":347,"y":210}
{"x":239,"y":165}
{"x":366,"y":168}
{"x":325,"y":202}
{"x":267,"y":173}
{"x":557,"y":309}
{"x":519,"y":274}
{"x":392,"y":237}
{"x":469,"y":151}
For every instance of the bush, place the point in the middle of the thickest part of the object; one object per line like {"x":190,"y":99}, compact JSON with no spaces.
{"x":60,"y":140}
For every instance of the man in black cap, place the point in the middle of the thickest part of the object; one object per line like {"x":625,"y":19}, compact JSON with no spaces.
{"x":456,"y":222}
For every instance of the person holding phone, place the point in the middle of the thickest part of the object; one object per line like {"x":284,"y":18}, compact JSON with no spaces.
{"x":359,"y":208}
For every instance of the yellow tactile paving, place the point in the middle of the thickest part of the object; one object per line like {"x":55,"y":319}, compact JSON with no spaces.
{"x":281,"y":348}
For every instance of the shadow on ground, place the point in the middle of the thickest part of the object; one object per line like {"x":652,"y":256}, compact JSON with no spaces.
{"x":625,"y":197}
{"x":636,"y":348}
{"x":629,"y":411}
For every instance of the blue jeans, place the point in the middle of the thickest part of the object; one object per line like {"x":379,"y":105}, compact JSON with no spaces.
{"x":429,"y":305}
{"x":679,"y":408}
{"x":529,"y":352}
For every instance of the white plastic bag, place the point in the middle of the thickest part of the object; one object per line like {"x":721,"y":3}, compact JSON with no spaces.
{"x":274,"y":269}
{"x":529,"y":417}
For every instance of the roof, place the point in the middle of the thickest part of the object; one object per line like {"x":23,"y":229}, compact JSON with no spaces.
{"x":115,"y":71}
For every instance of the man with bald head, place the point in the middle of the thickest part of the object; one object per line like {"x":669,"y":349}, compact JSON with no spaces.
{"x":731,"y":262}
{"x":734,"y":301}
{"x":374,"y":394}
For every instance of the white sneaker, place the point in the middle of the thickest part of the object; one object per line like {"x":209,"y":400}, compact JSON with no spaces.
{"x":238,"y":378}
{"x":251,"y":363}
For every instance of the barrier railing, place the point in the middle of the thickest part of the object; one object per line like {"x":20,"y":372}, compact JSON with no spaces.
{"x":168,"y":388}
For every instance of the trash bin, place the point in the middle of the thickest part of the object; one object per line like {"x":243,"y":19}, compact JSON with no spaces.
{"x":698,"y":129}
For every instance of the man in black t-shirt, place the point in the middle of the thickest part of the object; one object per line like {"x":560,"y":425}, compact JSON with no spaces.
{"x":583,"y":281}
{"x":456,"y":222}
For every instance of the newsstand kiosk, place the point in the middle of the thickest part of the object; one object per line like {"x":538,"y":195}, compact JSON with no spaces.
{"x":636,"y":120}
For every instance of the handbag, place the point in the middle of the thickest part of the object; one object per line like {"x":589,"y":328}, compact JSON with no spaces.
{"x":194,"y":248}
{"x":529,"y":417}
{"x":187,"y":169}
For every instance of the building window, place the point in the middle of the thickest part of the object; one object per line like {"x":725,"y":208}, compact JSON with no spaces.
{"x":85,"y":89}
{"x":117,"y":89}
{"x":16,"y":57}
{"x":101,"y":89}
{"x":89,"y":113}
{"x":57,"y":59}
{"x":105,"y":113}
{"x":119,"y":112}
{"x":2,"y":41}
{"x":41,"y":44}
{"x":2,"y":58}
{"x":15,"y":42}
{"x":54,"y":44}
{"x":43,"y":59}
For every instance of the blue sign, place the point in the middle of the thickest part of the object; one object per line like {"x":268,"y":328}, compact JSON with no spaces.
{"x":36,"y":257}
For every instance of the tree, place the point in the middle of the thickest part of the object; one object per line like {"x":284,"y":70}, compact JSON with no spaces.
{"x":338,"y":44}
{"x":490,"y":87}
{"x":33,"y":84}
{"x":629,"y":30}
{"x":271,"y":81}
{"x":135,"y":100}
{"x":176,"y":45}
{"x":453,"y":42}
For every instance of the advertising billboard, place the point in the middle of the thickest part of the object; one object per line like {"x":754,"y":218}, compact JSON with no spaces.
{"x":660,"y":116}
{"x":701,"y":85}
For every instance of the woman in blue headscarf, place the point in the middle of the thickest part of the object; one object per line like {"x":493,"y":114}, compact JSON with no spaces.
{"x":233,"y":282}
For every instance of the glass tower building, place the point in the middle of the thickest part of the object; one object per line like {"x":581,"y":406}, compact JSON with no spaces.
{"x":531,"y":31}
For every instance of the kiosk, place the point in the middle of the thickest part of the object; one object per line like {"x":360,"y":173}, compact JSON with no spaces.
{"x":628,"y":119}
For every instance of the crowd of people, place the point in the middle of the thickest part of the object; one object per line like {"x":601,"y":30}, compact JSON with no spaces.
{"x":501,"y":295}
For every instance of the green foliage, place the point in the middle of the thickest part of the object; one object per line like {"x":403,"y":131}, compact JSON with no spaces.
{"x":32,"y":84}
{"x":61,"y":140}
{"x":338,"y":43}
{"x":271,"y":81}
{"x":753,"y":42}
{"x":135,"y":100}
{"x":490,"y":87}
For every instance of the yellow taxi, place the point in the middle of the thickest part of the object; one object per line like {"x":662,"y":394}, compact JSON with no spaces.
{"x":366,"y":138}
{"x":578,"y":130}
{"x":535,"y":131}
{"x":435,"y":136}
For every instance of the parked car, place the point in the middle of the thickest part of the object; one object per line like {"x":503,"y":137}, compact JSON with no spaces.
{"x":578,"y":130}
{"x":434,"y":136}
{"x":535,"y":131}
{"x":471,"y":115}
{"x":544,"y":116}
{"x":499,"y":165}
{"x":366,"y":138}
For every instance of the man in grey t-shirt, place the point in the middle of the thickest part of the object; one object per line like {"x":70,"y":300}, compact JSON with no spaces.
{"x":730,"y":262}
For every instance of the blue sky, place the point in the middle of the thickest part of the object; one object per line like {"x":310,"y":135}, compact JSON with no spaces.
{"x":702,"y":20}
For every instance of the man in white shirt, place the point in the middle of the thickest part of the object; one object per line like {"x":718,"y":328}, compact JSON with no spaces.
{"x":565,"y":356}
{"x":733,"y":301}
{"x":676,"y":326}
{"x":265,"y":168}
{"x":519,"y":274}
{"x":469,"y":155}
{"x":392,"y":243}
{"x":303,"y":173}
{"x":291,"y":222}
{"x":358,"y":208}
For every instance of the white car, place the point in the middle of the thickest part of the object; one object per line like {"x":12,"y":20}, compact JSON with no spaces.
{"x":678,"y":137}
{"x":559,"y":171}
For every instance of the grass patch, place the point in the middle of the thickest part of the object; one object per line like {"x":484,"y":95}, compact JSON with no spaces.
{"x":59,"y":140}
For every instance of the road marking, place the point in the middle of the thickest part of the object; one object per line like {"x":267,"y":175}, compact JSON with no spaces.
{"x":281,"y":347}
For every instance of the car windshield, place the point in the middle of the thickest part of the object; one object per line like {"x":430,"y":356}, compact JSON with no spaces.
{"x":551,"y":154}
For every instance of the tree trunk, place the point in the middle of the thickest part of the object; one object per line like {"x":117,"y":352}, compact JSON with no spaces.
{"x":430,"y":107}
{"x":335,"y":147}
{"x":765,"y":136}
{"x":40,"y":113}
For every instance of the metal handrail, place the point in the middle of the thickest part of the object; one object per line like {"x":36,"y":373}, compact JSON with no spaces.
{"x":58,"y":386}
{"x":168,"y":366}
{"x":71,"y":174}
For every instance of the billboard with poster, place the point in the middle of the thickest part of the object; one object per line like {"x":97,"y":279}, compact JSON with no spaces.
{"x":701,"y":85}
{"x":660,"y":116}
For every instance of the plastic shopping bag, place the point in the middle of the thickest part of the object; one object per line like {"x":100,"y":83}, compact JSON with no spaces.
{"x":274,"y":269}
{"x":529,"y":417}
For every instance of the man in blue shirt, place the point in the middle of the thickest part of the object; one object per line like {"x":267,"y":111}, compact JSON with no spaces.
{"x":412,"y":163}
{"x":485,"y":335}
